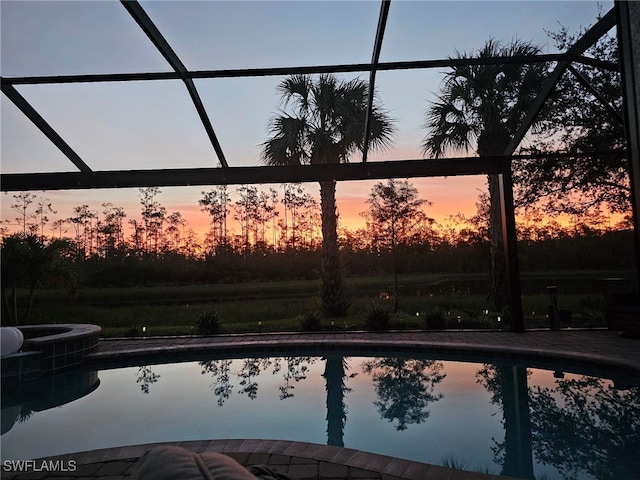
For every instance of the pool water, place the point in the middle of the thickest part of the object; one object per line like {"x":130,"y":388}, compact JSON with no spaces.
{"x":499,"y":419}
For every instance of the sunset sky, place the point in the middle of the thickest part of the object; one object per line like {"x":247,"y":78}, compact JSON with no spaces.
{"x":138,"y":125}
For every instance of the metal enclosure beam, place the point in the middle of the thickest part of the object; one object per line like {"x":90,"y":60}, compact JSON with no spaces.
{"x":31,"y":113}
{"x":174,"y":177}
{"x":147,"y":25}
{"x":594,"y":62}
{"x":603,"y":101}
{"x":510,"y":243}
{"x":252,"y":175}
{"x":629,"y":50}
{"x":382,"y":22}
{"x":280,"y":71}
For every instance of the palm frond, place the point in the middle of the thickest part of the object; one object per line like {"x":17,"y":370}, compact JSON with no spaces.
{"x":382,"y":129}
{"x":487,"y":98}
{"x":295,"y":88}
{"x":326,"y":123}
{"x":287,"y":145}
{"x":448,"y":127}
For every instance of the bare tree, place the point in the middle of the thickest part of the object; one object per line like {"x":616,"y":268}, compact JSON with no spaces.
{"x":394,"y":209}
{"x":247,"y":210}
{"x":81,"y":221}
{"x":215,"y":203}
{"x":153,"y":216}
{"x":44,"y":208}
{"x":23,"y":201}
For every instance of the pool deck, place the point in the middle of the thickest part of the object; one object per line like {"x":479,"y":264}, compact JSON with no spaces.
{"x":602,"y":351}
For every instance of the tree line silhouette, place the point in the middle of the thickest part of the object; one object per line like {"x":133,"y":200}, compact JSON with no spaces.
{"x":264,"y":235}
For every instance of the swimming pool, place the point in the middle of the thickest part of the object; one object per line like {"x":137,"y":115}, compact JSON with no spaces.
{"x":495,"y":418}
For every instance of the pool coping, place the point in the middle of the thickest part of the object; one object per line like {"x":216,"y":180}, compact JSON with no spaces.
{"x":63,"y":331}
{"x":583,"y":351}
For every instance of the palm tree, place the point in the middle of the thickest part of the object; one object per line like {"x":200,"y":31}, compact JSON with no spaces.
{"x":325,"y":126}
{"x":483,"y":106}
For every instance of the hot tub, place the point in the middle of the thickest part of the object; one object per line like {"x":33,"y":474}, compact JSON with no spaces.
{"x":49,"y":349}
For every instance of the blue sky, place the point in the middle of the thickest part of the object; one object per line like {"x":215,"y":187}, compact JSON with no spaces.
{"x":154,"y":125}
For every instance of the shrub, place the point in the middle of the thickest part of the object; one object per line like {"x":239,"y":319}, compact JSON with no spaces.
{"x":310,"y":322}
{"x":435,"y":319}
{"x":209,"y":322}
{"x":133,"y":332}
{"x":378,"y":318}
{"x":594,"y":313}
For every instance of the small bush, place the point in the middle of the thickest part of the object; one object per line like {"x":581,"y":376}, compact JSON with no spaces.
{"x":378,"y":318}
{"x":338,"y":309}
{"x":133,"y":332}
{"x":209,"y":322}
{"x":310,"y":322}
{"x":435,"y":319}
{"x":593,"y":313}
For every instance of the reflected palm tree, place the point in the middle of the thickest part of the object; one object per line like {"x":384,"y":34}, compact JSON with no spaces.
{"x":508,"y":388}
{"x":146,"y":377}
{"x":405,"y":388}
{"x":334,"y":374}
{"x":587,"y":426}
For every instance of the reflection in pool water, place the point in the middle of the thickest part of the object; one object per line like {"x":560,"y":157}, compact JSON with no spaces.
{"x":501,"y":419}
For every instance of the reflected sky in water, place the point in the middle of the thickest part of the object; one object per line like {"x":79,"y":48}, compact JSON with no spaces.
{"x":422,"y":410}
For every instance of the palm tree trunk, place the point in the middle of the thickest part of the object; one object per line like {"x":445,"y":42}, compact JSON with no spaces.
{"x":493,"y":141}
{"x":334,"y":374}
{"x":333,"y":303}
{"x":518,"y":455}
{"x":499,"y":295}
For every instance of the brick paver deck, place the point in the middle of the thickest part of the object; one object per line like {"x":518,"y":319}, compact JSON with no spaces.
{"x":302,"y":461}
{"x":582,"y":350}
{"x":591,"y":348}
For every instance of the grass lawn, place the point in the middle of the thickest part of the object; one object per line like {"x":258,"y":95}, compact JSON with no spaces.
{"x":460,"y":301}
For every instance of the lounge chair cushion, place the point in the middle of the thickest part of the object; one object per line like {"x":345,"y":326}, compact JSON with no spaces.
{"x":169,"y":462}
